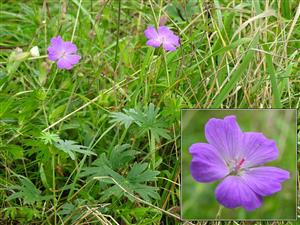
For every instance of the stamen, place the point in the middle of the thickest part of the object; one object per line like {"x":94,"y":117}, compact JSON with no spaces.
{"x":240,"y":164}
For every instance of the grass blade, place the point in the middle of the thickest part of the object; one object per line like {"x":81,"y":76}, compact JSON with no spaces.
{"x":271,"y":72}
{"x":236,"y":74}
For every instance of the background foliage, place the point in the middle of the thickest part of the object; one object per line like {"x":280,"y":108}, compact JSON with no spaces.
{"x":101,"y":143}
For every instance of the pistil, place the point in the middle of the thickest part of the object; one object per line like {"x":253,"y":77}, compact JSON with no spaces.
{"x":238,"y":166}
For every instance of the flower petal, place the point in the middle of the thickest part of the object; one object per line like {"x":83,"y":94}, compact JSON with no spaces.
{"x":225,"y":135}
{"x":57,"y":42}
{"x":170,"y":40}
{"x":207,"y":165}
{"x":56,"y":49}
{"x":257,"y":149}
{"x":164,"y":31}
{"x":69,"y":47}
{"x":68,"y":61}
{"x":265,"y":180}
{"x":151,"y":33}
{"x":154,"y":43}
{"x":175,"y":40}
{"x":53,"y":55}
{"x":232,"y":192}
{"x":169,"y":46}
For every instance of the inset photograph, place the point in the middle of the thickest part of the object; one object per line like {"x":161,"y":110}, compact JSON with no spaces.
{"x":239,"y":164}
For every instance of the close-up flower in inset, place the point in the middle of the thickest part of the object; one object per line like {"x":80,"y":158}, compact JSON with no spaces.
{"x":163,"y":36}
{"x":63,"y":53}
{"x":236,"y":157}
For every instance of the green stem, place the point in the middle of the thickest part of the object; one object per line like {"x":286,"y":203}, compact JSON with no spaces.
{"x":219,"y":212}
{"x":54,"y":186}
{"x":123,"y":136}
{"x":166,"y":66}
{"x":52,"y":81}
{"x":152,"y":149}
{"x":118,"y":34}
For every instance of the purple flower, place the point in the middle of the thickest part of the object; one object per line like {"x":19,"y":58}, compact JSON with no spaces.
{"x":163,"y":36}
{"x":236,"y":157}
{"x":64,"y":53}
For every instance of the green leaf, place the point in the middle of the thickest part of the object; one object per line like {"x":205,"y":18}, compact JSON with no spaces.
{"x":15,"y":59}
{"x":236,"y":74}
{"x":21,"y":214}
{"x":15,"y":151}
{"x":147,"y":120}
{"x":70,"y":147}
{"x":139,"y":173}
{"x":118,"y":159}
{"x":27,"y":191}
{"x":134,"y":183}
{"x":100,"y":167}
{"x":49,"y":138}
{"x":272,"y":73}
{"x":121,"y":156}
{"x":4,"y":106}
{"x":122,"y":118}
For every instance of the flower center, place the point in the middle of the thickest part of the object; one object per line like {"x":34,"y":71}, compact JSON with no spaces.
{"x":62,"y":54}
{"x":236,"y":166}
{"x":162,"y":39}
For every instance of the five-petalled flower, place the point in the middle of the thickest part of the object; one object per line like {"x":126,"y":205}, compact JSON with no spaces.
{"x":163,"y":36}
{"x":237,"y":158}
{"x":63,"y":53}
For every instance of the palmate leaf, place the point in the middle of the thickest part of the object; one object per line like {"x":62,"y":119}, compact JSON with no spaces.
{"x":135,"y":183}
{"x":136,"y":180}
{"x":98,"y":168}
{"x":122,"y":118}
{"x":147,"y":120}
{"x":49,"y":138}
{"x":70,"y":147}
{"x":140,"y":174}
{"x":27,"y":191}
{"x":119,"y":158}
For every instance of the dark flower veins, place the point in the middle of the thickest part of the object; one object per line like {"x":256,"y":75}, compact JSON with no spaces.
{"x":237,"y":158}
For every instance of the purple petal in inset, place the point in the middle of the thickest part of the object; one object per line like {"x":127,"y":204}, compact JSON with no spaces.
{"x":225,"y":135}
{"x":265,"y":180}
{"x":206,"y":165}
{"x":232,"y":192}
{"x":257,"y":149}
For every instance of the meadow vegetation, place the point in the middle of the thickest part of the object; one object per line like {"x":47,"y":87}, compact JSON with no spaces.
{"x":100,"y":144}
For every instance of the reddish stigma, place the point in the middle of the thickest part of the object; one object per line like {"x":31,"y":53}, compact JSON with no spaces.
{"x":240,"y":164}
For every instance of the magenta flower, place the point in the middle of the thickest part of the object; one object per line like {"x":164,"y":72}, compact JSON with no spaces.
{"x":237,"y":158}
{"x":63,"y":53}
{"x":164,"y":36}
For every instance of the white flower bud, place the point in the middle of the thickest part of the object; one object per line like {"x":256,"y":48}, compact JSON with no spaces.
{"x":34,"y":51}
